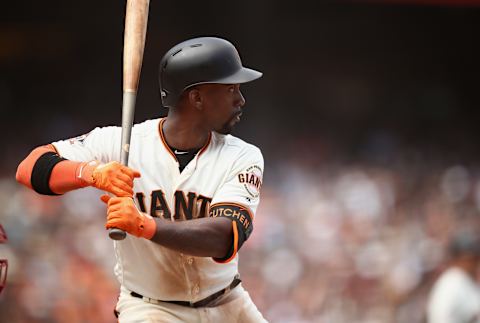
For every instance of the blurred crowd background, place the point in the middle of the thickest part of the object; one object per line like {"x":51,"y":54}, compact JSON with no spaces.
{"x":367,"y":116}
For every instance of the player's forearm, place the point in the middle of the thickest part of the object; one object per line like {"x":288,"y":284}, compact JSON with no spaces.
{"x":44,"y":171}
{"x":47,"y":173}
{"x":205,"y":237}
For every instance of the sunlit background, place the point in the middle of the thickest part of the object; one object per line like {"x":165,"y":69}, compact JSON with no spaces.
{"x":367,"y":115}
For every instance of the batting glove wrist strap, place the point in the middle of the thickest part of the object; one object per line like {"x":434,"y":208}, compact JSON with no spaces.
{"x":113,"y":177}
{"x":85,"y":172}
{"x":123,"y":214}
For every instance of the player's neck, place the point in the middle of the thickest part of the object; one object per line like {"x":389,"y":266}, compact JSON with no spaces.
{"x":184,"y":133}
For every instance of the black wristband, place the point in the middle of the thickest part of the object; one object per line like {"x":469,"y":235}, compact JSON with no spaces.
{"x":41,"y":172}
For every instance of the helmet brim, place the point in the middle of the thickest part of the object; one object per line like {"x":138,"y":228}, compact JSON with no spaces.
{"x":243,"y":75}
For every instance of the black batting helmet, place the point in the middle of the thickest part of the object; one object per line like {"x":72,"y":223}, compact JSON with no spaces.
{"x":199,"y":61}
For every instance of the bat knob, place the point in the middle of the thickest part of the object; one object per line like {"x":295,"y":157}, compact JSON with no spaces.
{"x":117,"y":234}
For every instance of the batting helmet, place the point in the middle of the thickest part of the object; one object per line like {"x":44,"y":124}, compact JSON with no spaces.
{"x":199,"y":61}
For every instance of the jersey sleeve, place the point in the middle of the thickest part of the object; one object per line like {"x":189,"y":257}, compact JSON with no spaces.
{"x":102,"y":144}
{"x":238,"y":198}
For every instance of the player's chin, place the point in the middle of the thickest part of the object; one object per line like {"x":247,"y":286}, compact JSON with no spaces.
{"x":228,"y":127}
{"x":225,"y":130}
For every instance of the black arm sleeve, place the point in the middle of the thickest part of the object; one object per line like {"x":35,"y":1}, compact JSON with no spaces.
{"x":41,"y":172}
{"x":242,"y":227}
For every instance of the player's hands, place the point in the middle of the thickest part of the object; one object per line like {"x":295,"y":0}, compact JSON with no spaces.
{"x":113,"y":177}
{"x":122,"y":213}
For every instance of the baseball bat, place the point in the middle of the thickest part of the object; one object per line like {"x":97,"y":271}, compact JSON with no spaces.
{"x":136,"y":18}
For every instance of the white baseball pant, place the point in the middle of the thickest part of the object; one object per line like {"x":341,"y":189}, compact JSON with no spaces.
{"x":236,"y":306}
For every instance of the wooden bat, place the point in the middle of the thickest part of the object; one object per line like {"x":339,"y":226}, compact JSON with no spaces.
{"x":136,"y":18}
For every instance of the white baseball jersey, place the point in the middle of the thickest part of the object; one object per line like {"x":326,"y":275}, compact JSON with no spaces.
{"x":455,"y":298}
{"x":226,"y":170}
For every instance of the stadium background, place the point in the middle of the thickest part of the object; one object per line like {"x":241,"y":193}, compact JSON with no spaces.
{"x":367,"y":115}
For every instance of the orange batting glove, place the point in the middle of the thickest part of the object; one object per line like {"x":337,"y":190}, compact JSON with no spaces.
{"x":113,"y":177}
{"x":122,"y":213}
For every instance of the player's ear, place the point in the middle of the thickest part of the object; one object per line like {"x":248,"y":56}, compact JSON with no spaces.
{"x":195,"y":98}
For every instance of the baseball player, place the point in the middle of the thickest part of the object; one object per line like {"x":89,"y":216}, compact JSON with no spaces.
{"x":187,"y":199}
{"x":455,"y":296}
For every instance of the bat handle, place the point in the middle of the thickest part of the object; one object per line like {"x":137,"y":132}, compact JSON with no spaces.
{"x":128,"y":112}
